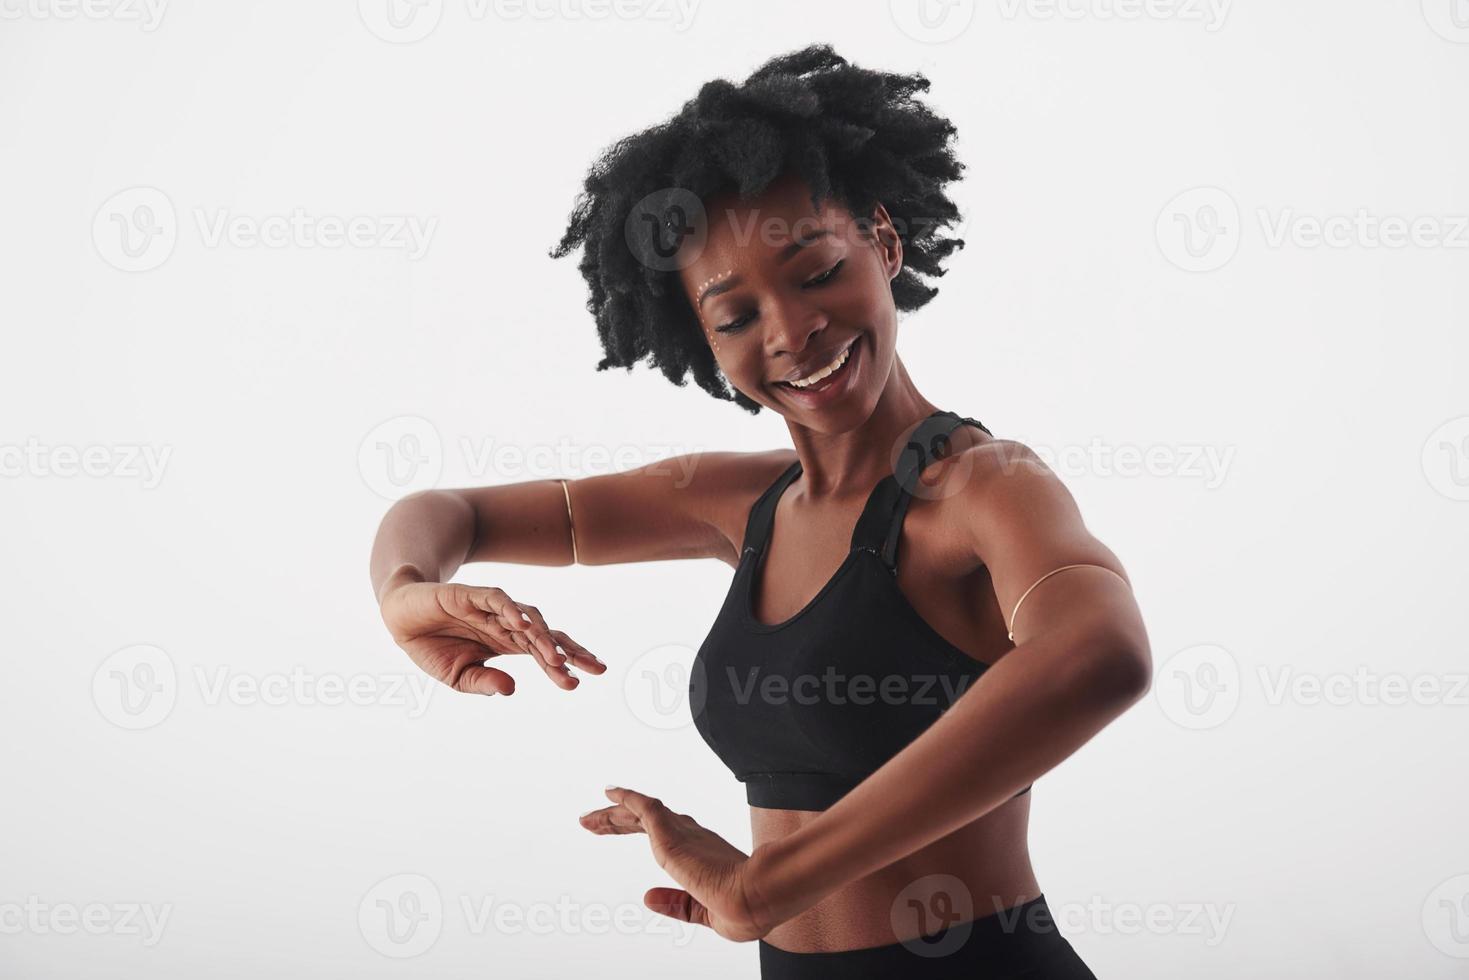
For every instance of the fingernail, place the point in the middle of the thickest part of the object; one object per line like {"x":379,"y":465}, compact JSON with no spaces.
{"x":607,"y":787}
{"x":525,"y":617}
{"x":584,"y":815}
{"x":598,"y":660}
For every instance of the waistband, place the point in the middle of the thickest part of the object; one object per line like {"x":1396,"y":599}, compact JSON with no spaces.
{"x":996,"y":946}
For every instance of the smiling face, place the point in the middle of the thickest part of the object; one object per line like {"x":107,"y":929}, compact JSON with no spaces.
{"x":787,"y":293}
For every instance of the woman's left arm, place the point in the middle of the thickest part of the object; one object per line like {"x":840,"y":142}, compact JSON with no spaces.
{"x":1082,"y":658}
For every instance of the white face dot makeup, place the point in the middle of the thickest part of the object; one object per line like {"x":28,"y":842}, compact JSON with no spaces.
{"x":713,"y":337}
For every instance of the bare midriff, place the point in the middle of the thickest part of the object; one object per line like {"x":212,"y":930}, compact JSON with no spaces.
{"x":977,"y":870}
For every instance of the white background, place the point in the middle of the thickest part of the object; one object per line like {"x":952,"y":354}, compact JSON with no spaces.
{"x":1094,"y":313}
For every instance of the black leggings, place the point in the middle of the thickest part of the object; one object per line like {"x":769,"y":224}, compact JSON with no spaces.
{"x":1020,"y":943}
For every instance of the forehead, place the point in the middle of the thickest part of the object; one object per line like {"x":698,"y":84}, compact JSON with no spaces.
{"x":744,"y":235}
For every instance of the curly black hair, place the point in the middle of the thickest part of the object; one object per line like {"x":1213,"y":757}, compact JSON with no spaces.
{"x":854,"y":135}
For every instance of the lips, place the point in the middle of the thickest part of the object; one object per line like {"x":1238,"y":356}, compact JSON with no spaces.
{"x":818,"y":364}
{"x":831,"y":388}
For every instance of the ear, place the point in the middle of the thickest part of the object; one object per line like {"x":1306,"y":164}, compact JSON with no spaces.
{"x":886,"y":240}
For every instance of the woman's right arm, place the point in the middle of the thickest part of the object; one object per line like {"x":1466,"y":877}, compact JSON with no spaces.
{"x":689,"y":506}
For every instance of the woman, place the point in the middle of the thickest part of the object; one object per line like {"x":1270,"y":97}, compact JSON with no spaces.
{"x":919,"y":623}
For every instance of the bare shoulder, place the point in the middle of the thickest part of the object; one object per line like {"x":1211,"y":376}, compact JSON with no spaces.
{"x":733,"y":482}
{"x":1016,"y":512}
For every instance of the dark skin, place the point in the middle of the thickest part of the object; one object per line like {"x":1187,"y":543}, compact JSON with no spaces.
{"x":990,"y":521}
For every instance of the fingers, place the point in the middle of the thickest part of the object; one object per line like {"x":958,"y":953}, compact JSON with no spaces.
{"x":476,"y":679}
{"x":652,"y":815}
{"x":577,"y":655}
{"x":611,"y":820}
{"x":677,"y":904}
{"x":540,"y":633}
{"x":526,"y":628}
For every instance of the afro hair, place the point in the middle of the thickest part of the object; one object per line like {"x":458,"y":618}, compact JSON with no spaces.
{"x":854,"y":135}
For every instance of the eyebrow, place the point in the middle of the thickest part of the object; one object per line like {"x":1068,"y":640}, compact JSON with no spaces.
{"x":785,"y":256}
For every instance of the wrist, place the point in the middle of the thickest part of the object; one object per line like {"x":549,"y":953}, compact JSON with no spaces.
{"x":404,"y":574}
{"x":781,"y":883}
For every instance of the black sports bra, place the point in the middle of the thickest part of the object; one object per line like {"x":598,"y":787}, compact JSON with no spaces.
{"x":803,"y":710}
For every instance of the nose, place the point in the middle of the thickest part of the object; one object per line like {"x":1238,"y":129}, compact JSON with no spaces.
{"x":791,"y":322}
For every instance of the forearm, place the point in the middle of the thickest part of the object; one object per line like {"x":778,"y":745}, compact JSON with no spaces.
{"x":1032,"y":709}
{"x":423,"y":538}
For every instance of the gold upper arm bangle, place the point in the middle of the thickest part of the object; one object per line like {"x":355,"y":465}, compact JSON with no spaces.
{"x":569,"y":520}
{"x":1042,"y":579}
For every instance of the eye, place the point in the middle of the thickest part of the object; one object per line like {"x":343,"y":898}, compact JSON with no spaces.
{"x":826,"y":276}
{"x":735,"y":324}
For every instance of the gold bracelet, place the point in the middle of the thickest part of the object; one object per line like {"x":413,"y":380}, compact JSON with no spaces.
{"x":570,"y":522}
{"x":1042,"y":579}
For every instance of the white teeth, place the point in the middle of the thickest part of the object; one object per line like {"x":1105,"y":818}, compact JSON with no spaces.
{"x":835,"y":365}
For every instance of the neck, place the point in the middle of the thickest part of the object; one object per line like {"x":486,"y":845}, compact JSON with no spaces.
{"x":852,"y":462}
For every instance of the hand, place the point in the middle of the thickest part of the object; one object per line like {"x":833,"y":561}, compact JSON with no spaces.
{"x":451,"y":630}
{"x":718,"y":877}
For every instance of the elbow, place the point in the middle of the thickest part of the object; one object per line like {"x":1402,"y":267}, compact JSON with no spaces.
{"x":1130,"y":670}
{"x":1119,"y":668}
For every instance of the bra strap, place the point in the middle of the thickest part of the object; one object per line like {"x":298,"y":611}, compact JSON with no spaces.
{"x":762,"y":514}
{"x":881,"y":523}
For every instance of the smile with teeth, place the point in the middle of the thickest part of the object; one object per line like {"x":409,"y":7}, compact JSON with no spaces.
{"x":824,"y":373}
